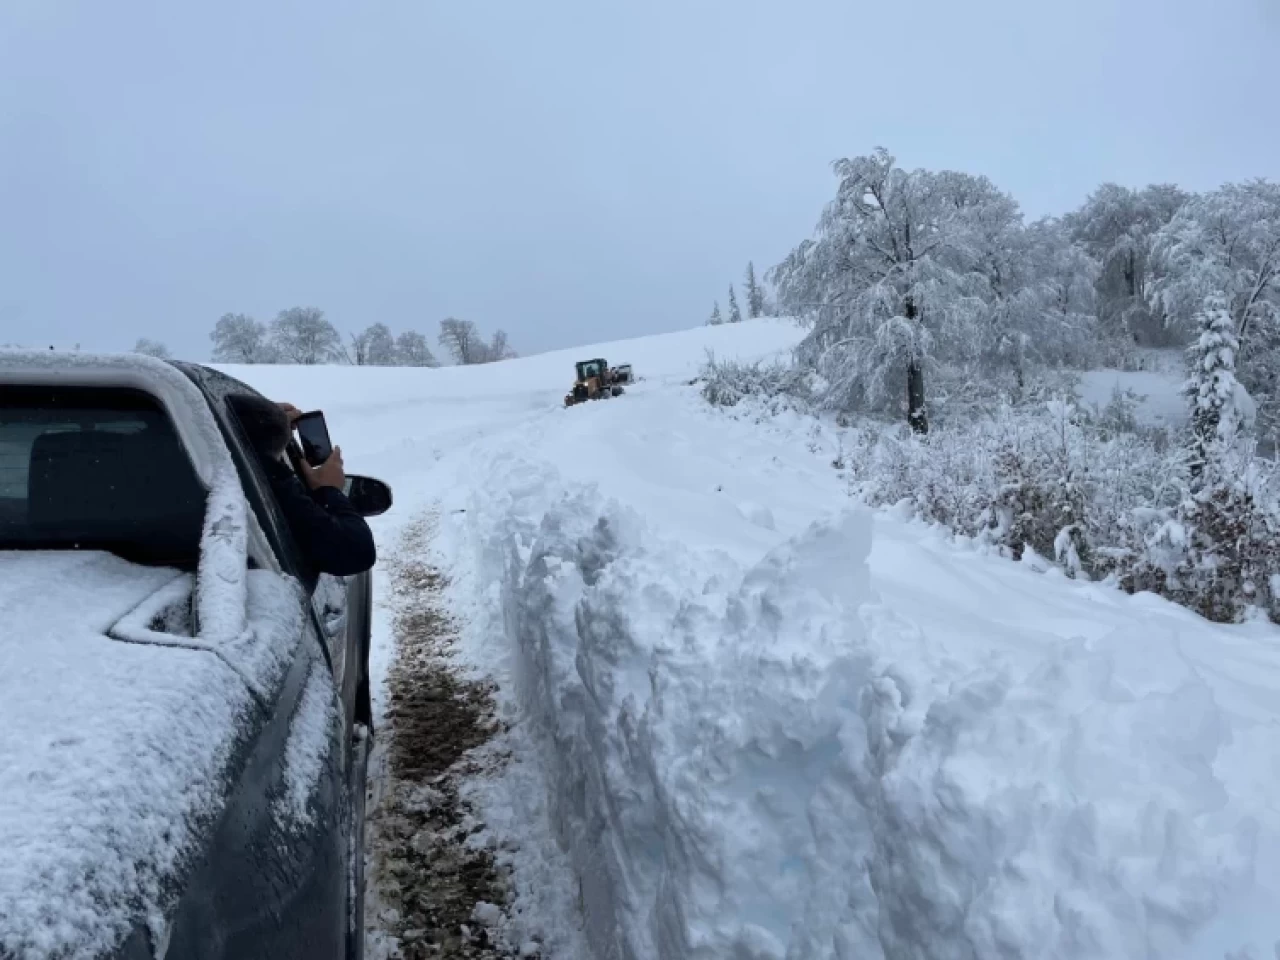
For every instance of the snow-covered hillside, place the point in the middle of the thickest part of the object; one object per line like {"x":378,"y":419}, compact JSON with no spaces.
{"x":763,"y":722}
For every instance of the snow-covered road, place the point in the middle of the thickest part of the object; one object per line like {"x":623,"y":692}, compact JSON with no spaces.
{"x":752,"y":720}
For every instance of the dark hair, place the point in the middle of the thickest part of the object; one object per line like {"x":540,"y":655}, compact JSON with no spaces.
{"x":266,"y":425}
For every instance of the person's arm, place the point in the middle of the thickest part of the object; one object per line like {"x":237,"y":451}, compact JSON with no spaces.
{"x":332,"y":536}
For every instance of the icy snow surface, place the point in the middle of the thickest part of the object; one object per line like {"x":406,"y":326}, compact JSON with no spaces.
{"x":773,"y":725}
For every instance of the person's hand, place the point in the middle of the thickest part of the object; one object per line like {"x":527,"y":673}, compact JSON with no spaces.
{"x":328,"y":474}
{"x":290,"y":411}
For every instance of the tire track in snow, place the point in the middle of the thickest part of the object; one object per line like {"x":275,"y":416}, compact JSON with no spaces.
{"x":430,"y":894}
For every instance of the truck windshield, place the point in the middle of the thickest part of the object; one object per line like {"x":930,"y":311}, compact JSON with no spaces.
{"x":96,"y":469}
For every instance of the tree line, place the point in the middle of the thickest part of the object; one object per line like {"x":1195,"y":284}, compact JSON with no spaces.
{"x":918,"y":274}
{"x":303,"y":335}
{"x":756,"y":297}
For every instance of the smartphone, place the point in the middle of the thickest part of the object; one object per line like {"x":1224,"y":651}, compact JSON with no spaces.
{"x":314,"y":434}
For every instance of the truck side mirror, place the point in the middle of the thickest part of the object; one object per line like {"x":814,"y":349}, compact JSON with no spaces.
{"x":369,"y":497}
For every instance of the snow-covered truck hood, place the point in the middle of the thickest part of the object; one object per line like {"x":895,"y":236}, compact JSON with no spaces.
{"x":116,"y":731}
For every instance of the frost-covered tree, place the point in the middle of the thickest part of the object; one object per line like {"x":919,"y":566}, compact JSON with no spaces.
{"x":1227,"y":244}
{"x":499,"y":348}
{"x":303,"y":335}
{"x":1220,"y":551}
{"x":412,"y":350}
{"x":374,"y":347}
{"x":463,"y":341}
{"x":1116,"y":226}
{"x":152,"y":348}
{"x":1005,"y":306}
{"x":735,"y":313}
{"x":755,"y":293}
{"x":716,"y":319}
{"x":238,"y":338}
{"x":903,"y":264}
{"x":1065,"y":273}
{"x":1221,"y":408}
{"x":1059,"y":318}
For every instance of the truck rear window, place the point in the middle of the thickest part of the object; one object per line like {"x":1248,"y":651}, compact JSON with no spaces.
{"x":96,"y":469}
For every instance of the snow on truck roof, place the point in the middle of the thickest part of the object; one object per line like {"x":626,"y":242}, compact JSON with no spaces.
{"x":166,"y":382}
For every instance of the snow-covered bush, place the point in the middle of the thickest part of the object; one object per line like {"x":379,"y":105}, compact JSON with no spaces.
{"x":1041,"y":477}
{"x":727,"y":382}
{"x":1101,"y":502}
{"x":1229,"y":556}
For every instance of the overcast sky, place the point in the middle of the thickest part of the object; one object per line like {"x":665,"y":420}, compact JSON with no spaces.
{"x":570,"y":170}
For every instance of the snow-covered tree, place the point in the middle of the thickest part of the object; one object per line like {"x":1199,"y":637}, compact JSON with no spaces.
{"x":374,"y":347}
{"x":463,"y":341}
{"x":716,"y":319}
{"x":1227,"y":244}
{"x":755,"y":293}
{"x":152,"y":348}
{"x":1116,"y":226}
{"x":412,"y":350}
{"x":1059,"y":321}
{"x":1063,"y":270}
{"x":735,"y":314}
{"x":897,"y":271}
{"x":499,"y":348}
{"x":1221,"y":408}
{"x":238,"y":338}
{"x":1006,"y":310}
{"x":303,"y":335}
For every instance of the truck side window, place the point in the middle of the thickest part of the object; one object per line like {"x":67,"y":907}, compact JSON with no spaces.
{"x":96,"y":468}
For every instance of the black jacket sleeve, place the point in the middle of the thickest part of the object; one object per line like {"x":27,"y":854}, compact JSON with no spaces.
{"x":333,"y":538}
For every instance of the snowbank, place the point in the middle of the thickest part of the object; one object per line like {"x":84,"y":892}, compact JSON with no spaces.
{"x":778,"y":761}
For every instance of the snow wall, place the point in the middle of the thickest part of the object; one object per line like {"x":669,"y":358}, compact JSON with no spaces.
{"x":769,"y":763}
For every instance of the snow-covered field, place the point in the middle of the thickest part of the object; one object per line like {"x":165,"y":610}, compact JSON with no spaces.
{"x":751,"y":719}
{"x":1159,"y":396}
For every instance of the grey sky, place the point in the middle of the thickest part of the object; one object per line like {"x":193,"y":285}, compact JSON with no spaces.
{"x":571,"y":170}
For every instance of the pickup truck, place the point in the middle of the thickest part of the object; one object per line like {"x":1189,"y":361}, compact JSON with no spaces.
{"x":184,"y":706}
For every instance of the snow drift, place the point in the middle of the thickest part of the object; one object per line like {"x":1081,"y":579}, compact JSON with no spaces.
{"x":773,"y":762}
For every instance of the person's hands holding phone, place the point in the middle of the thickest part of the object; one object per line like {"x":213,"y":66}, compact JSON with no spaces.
{"x":328,"y":474}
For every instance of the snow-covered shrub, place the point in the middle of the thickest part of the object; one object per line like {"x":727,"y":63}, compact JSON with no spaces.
{"x":1230,"y":557}
{"x":1101,"y":502}
{"x":1120,"y":415}
{"x":1024,"y":477}
{"x":725,"y":383}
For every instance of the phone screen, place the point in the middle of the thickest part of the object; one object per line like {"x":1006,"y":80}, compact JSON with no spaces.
{"x":314,"y":434}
